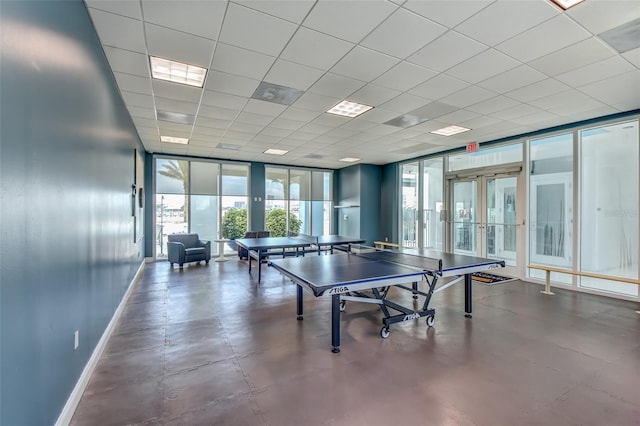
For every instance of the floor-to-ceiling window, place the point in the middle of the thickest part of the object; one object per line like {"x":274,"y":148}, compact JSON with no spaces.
{"x":204,"y":197}
{"x":409,"y":204}
{"x":432,"y":203}
{"x":609,"y":199}
{"x":551,"y":203}
{"x":298,"y":201}
{"x":422,"y":203}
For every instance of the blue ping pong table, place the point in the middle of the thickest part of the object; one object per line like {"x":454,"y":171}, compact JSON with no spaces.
{"x":262,"y":248}
{"x":368,"y":276}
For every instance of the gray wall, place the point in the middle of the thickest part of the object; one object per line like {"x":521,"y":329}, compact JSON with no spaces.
{"x":359,"y":185}
{"x":67,"y":165}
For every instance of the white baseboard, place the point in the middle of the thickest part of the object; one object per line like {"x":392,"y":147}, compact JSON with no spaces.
{"x":74,"y":399}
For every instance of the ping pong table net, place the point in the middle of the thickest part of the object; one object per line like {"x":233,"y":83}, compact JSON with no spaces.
{"x":421,"y":262}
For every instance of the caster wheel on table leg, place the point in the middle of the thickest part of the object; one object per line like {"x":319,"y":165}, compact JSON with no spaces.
{"x":384,"y":332}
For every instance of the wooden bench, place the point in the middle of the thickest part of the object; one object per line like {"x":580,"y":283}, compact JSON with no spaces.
{"x":384,"y":244}
{"x":549,"y":269}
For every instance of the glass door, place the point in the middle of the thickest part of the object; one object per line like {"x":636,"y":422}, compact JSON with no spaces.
{"x":485,"y":218}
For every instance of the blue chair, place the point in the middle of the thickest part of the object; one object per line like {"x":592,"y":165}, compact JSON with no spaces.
{"x":185,"y":248}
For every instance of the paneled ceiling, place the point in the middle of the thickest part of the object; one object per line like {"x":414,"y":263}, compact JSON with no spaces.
{"x":500,"y":68}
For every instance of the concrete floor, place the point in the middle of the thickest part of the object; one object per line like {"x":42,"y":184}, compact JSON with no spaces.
{"x":207,"y":346}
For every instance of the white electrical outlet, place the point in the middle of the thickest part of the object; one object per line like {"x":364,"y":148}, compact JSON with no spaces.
{"x":76,"y":340}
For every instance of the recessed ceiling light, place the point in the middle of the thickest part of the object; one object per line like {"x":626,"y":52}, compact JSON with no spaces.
{"x":276,"y":151}
{"x":177,"y":72}
{"x":450,"y":130}
{"x":172,"y":139}
{"x":349,"y":159}
{"x":349,"y":109}
{"x":566,"y":4}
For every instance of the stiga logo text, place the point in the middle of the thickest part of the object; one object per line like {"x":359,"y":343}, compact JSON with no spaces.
{"x":341,"y":289}
{"x":411,"y":317}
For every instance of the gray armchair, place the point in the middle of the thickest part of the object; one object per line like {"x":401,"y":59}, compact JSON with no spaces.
{"x":184,"y":248}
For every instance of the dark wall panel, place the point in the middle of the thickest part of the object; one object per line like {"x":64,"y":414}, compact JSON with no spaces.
{"x":370,"y":202}
{"x":389,"y":200}
{"x":256,"y":211}
{"x":67,"y":248}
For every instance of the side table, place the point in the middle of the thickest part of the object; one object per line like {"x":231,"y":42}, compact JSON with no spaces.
{"x":221,"y":242}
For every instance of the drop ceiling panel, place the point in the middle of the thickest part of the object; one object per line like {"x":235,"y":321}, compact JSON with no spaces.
{"x":575,"y":56}
{"x":515,"y":112}
{"x":231,"y":84}
{"x":315,"y":49}
{"x":600,"y":16}
{"x":617,"y":91}
{"x":255,"y":119}
{"x":447,"y":51}
{"x":483,"y":66}
{"x":348,"y":20}
{"x":256,"y":31}
{"x":468,"y":96}
{"x":404,"y":76}
{"x":242,"y":62}
{"x":495,"y":104}
{"x":513,"y":79}
{"x":446,"y":12}
{"x":217,"y":112}
{"x":597,"y":71}
{"x":119,"y":31}
{"x":537,"y":90}
{"x":543,"y":39}
{"x":300,"y":114}
{"x":439,"y":87}
{"x":128,"y":62}
{"x":290,"y":74}
{"x":373,"y":95}
{"x":173,"y":105}
{"x":142,"y":112}
{"x":125,"y":8}
{"x":402,"y":34}
{"x":181,"y":92}
{"x":178,"y":46}
{"x":293,"y":11}
{"x":336,"y":85}
{"x":317,"y":103}
{"x":508,"y":17}
{"x":137,"y":99}
{"x":404,"y":103}
{"x":201,"y":18}
{"x":364,"y":64}
{"x":633,"y":56}
{"x":133,"y":83}
{"x":264,"y":108}
{"x":223,"y":100}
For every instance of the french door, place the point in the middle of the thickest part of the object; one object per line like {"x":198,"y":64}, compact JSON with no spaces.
{"x":485,"y":217}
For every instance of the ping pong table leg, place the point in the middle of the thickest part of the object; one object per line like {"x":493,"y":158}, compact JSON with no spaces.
{"x":335,"y":323}
{"x":299,"y":303}
{"x":467,"y":295}
{"x":259,"y":265}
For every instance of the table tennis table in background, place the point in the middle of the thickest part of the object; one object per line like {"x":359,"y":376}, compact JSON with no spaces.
{"x":368,"y":276}
{"x":266,"y":247}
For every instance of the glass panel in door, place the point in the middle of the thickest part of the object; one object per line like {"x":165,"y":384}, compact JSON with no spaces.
{"x":465,"y":225}
{"x":501,"y":221}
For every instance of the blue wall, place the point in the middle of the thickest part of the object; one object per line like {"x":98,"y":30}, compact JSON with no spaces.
{"x":67,"y":165}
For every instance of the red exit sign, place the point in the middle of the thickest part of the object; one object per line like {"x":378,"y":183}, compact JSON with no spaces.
{"x":472,"y":147}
